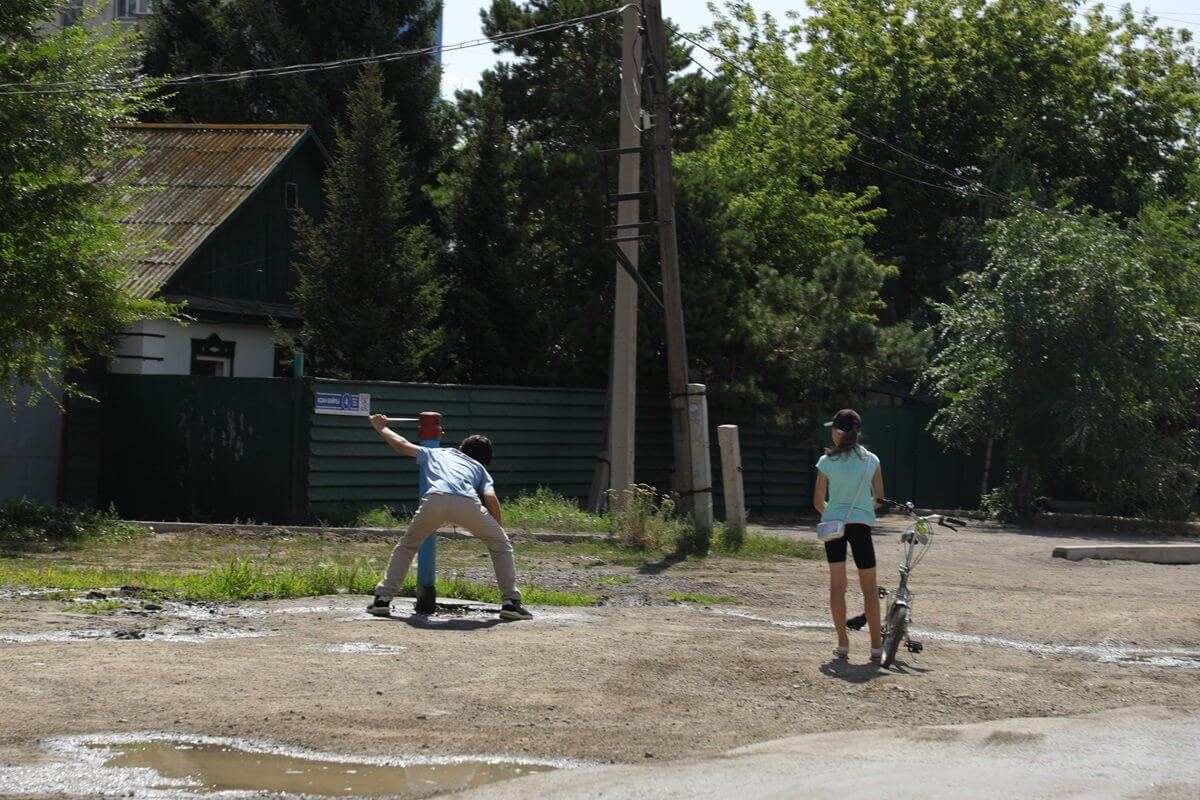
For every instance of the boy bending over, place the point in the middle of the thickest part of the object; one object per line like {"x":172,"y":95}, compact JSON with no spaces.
{"x":457,"y":481}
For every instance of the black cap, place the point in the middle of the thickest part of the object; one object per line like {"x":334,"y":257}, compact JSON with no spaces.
{"x":845,"y":420}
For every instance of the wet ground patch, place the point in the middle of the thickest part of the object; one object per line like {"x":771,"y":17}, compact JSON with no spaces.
{"x":1179,"y":658}
{"x":179,"y":766}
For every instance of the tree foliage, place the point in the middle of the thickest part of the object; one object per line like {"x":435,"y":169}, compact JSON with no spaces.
{"x":367,"y":285}
{"x":187,"y":37}
{"x":560,"y":99}
{"x":64,"y":255}
{"x":1067,"y":346}
{"x":1025,"y":97}
{"x":487,"y":312}
{"x":779,"y":291}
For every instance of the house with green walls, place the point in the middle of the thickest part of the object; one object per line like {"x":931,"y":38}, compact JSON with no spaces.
{"x":215,"y":209}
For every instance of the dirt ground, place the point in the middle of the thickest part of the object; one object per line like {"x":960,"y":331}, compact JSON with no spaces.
{"x":1008,"y":632}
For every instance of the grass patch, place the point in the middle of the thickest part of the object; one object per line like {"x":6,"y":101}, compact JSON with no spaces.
{"x":702,"y":599}
{"x":544,"y":510}
{"x":379,"y":518}
{"x":243,"y":579}
{"x":98,"y":607}
{"x":756,"y":545}
{"x":26,"y":525}
{"x":547,"y":510}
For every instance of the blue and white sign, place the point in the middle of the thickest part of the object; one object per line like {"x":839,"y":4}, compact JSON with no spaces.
{"x":346,"y":403}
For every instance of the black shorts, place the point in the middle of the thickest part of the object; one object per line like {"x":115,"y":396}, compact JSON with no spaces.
{"x":858,"y":536}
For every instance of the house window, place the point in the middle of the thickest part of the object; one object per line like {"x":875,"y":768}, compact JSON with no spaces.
{"x":291,"y":197}
{"x":213,"y":357}
{"x":127,"y":9}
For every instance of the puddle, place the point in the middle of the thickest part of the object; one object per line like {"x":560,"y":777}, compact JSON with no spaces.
{"x":160,"y":766}
{"x":219,"y":768}
{"x":1177,"y":658}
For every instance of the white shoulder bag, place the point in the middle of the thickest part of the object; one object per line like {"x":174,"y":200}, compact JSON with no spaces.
{"x":834,"y":529}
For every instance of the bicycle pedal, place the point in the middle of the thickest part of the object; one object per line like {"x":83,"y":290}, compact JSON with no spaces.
{"x":857,"y":623}
{"x":914,"y":647}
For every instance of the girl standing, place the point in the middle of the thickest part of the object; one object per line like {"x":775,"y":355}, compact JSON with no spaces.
{"x":854,"y":481}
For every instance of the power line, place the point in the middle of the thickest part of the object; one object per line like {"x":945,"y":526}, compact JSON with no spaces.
{"x":77,"y":87}
{"x":1193,"y":23}
{"x":968,"y":187}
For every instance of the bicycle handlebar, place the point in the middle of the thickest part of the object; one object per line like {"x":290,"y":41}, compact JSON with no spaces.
{"x":953,"y":523}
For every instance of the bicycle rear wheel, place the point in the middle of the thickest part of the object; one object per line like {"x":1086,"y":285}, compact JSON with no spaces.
{"x":897,"y":629}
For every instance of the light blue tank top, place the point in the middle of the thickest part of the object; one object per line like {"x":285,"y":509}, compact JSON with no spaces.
{"x":845,"y":472}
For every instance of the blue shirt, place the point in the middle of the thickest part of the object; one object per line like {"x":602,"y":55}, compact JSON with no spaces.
{"x":451,"y":471}
{"x":847,"y":472}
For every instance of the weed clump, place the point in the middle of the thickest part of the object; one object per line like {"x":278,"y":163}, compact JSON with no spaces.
{"x":28,"y":524}
{"x":548,"y":510}
{"x":643,"y":519}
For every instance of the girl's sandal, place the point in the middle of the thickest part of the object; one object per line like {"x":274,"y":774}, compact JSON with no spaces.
{"x":876,"y":654}
{"x":842,"y":652}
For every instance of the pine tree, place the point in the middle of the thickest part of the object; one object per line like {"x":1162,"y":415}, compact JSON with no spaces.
{"x":487,"y":316}
{"x":192,"y":36}
{"x":367,"y":284}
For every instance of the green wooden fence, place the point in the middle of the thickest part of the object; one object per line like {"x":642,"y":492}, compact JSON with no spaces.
{"x":204,"y":449}
{"x":222,"y":449}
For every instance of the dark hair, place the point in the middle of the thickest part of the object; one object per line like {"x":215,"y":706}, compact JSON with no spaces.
{"x":848,"y":442}
{"x":478,"y":448}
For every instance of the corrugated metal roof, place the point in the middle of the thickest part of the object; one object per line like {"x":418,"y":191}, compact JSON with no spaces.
{"x":195,"y":176}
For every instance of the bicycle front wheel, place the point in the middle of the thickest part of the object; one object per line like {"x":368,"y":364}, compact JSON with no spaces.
{"x":897,"y":629}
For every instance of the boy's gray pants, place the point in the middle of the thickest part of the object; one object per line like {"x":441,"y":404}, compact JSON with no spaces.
{"x":467,"y":513}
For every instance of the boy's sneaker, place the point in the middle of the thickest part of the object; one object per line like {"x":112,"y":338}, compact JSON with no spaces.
{"x":382,"y":607}
{"x":514,"y":610}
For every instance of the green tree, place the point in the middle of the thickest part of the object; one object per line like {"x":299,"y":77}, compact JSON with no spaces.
{"x":781,"y":296}
{"x":367,"y":284}
{"x":197,"y":36}
{"x":487,"y":312}
{"x":64,"y":255}
{"x":1019,"y":96}
{"x":560,"y":97}
{"x":1066,"y":346}
{"x":561,"y":101}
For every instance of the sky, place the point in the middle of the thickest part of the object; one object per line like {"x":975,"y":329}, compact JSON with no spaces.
{"x":461,"y":69}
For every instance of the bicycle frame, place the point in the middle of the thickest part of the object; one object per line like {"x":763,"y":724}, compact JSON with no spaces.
{"x":896,"y":624}
{"x":920,"y":533}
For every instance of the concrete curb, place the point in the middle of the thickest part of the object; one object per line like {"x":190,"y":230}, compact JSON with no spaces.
{"x":1149,"y":553}
{"x":350,"y":534}
{"x":1091,"y":522}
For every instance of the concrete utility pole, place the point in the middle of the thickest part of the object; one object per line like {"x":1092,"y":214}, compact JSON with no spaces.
{"x":623,"y":378}
{"x":691,"y":460}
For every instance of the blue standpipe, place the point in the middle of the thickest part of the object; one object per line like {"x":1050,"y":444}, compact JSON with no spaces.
{"x":430,"y":436}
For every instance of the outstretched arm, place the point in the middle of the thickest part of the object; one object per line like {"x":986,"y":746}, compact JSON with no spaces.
{"x":877,"y":487}
{"x":397,"y":442}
